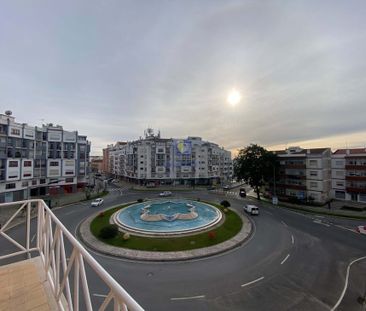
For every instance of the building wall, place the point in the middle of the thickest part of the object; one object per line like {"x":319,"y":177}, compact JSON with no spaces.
{"x":176,"y":161}
{"x":40,"y":160}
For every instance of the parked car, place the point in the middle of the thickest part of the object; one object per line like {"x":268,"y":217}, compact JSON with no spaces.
{"x":251,"y":209}
{"x":242,"y":192}
{"x":165,"y":194}
{"x":97,"y":202}
{"x":361,"y":229}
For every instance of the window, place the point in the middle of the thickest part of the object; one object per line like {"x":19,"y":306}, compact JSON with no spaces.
{"x":69,"y":179}
{"x":27,"y":163}
{"x":13,"y":163}
{"x":10,"y":186}
{"x":15,"y":131}
{"x":340,"y":195}
{"x":362,"y":197}
{"x":69,"y":173}
{"x":313,"y":173}
{"x":313,"y":184}
{"x":339,"y":163}
{"x":24,"y":184}
{"x":42,"y":181}
{"x":34,"y":182}
{"x":339,"y":173}
{"x":339,"y":183}
{"x":54,"y":163}
{"x":313,"y":163}
{"x":27,"y":174}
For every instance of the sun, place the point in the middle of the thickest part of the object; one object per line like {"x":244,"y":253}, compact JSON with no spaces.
{"x":234,"y":97}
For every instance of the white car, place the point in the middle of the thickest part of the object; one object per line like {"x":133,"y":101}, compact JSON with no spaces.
{"x":251,"y":209}
{"x":97,"y":202}
{"x":361,"y":229}
{"x":165,"y":194}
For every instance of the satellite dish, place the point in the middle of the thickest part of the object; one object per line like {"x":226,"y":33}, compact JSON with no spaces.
{"x":8,"y":113}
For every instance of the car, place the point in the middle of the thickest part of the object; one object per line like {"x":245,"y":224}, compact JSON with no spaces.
{"x":361,"y":229}
{"x":226,"y":187}
{"x":165,"y":194}
{"x":251,"y":209}
{"x":242,"y":192}
{"x":211,"y":188}
{"x":97,"y":202}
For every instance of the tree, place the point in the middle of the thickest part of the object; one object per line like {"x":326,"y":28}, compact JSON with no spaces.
{"x":256,"y":166}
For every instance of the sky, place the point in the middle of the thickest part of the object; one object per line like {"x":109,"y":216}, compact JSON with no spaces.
{"x":110,"y":69}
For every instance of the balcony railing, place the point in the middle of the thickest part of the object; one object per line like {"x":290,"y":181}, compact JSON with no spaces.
{"x":355,"y":167}
{"x":356,"y":189}
{"x":49,"y":241}
{"x":360,"y":178}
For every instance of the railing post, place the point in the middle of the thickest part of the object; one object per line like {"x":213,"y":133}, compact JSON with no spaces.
{"x":28,"y":229}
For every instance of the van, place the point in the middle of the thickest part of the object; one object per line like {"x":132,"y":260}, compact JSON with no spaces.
{"x":251,"y":209}
{"x":242,"y":192}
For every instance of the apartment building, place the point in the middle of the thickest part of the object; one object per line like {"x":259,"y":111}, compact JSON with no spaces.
{"x":349,"y":175}
{"x":38,"y":161}
{"x":304,"y":174}
{"x":156,"y":160}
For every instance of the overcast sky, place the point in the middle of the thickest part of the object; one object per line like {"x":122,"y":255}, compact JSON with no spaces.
{"x":110,"y":69}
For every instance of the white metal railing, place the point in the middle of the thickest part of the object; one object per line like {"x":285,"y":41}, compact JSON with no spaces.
{"x":50,"y":236}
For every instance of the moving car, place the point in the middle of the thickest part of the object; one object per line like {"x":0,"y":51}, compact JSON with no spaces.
{"x":251,"y":209}
{"x":242,"y":192}
{"x":165,"y":194}
{"x":97,"y":202}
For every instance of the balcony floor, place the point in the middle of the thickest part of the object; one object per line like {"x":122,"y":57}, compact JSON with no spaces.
{"x":24,"y":287}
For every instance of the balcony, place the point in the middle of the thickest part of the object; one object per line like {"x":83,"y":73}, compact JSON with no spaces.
{"x":295,"y":166}
{"x":356,"y":189}
{"x":57,"y":272}
{"x":290,"y":186}
{"x":356,"y":178}
{"x":355,"y":167}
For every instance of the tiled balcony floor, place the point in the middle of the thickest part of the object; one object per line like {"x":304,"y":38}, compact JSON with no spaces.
{"x":23,"y":286}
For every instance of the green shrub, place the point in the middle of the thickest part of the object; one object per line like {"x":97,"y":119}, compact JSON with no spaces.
{"x":109,"y":231}
{"x":225,"y":203}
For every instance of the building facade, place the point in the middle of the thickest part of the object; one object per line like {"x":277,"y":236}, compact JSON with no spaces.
{"x":349,"y":175}
{"x":36,"y":161}
{"x":155,"y":160}
{"x":304,"y":174}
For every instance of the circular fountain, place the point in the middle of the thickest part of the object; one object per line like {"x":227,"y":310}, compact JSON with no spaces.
{"x":167,"y":218}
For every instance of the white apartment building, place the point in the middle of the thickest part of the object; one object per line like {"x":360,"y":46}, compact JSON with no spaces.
{"x":37,"y":161}
{"x":157,"y":160}
{"x":349,"y":175}
{"x":305,"y":174}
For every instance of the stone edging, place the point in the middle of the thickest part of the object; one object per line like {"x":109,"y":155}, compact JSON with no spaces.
{"x":92,"y":242}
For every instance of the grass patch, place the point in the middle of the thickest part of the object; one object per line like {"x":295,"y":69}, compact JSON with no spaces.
{"x":231,"y":226}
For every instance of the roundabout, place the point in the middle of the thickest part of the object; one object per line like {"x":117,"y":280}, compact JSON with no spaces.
{"x":212,"y":230}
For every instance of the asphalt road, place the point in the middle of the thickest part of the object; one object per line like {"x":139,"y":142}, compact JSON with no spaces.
{"x":292,"y":262}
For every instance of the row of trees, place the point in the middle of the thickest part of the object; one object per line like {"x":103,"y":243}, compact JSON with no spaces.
{"x":256,"y":166}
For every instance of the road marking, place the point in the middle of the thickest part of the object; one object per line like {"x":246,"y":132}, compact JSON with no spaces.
{"x":187,"y":298}
{"x":100,"y":295}
{"x":256,"y":280}
{"x":292,"y":239}
{"x":346,"y":283}
{"x":283,"y":223}
{"x":283,"y":261}
{"x":345,"y":228}
{"x":319,"y":222}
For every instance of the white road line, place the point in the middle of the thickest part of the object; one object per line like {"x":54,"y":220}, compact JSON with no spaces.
{"x":292,"y":239}
{"x":187,"y":298}
{"x":99,"y":295}
{"x":346,"y":283}
{"x":283,"y":261}
{"x":283,"y":223}
{"x":256,"y":280}
{"x":345,"y":228}
{"x":319,"y":222}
